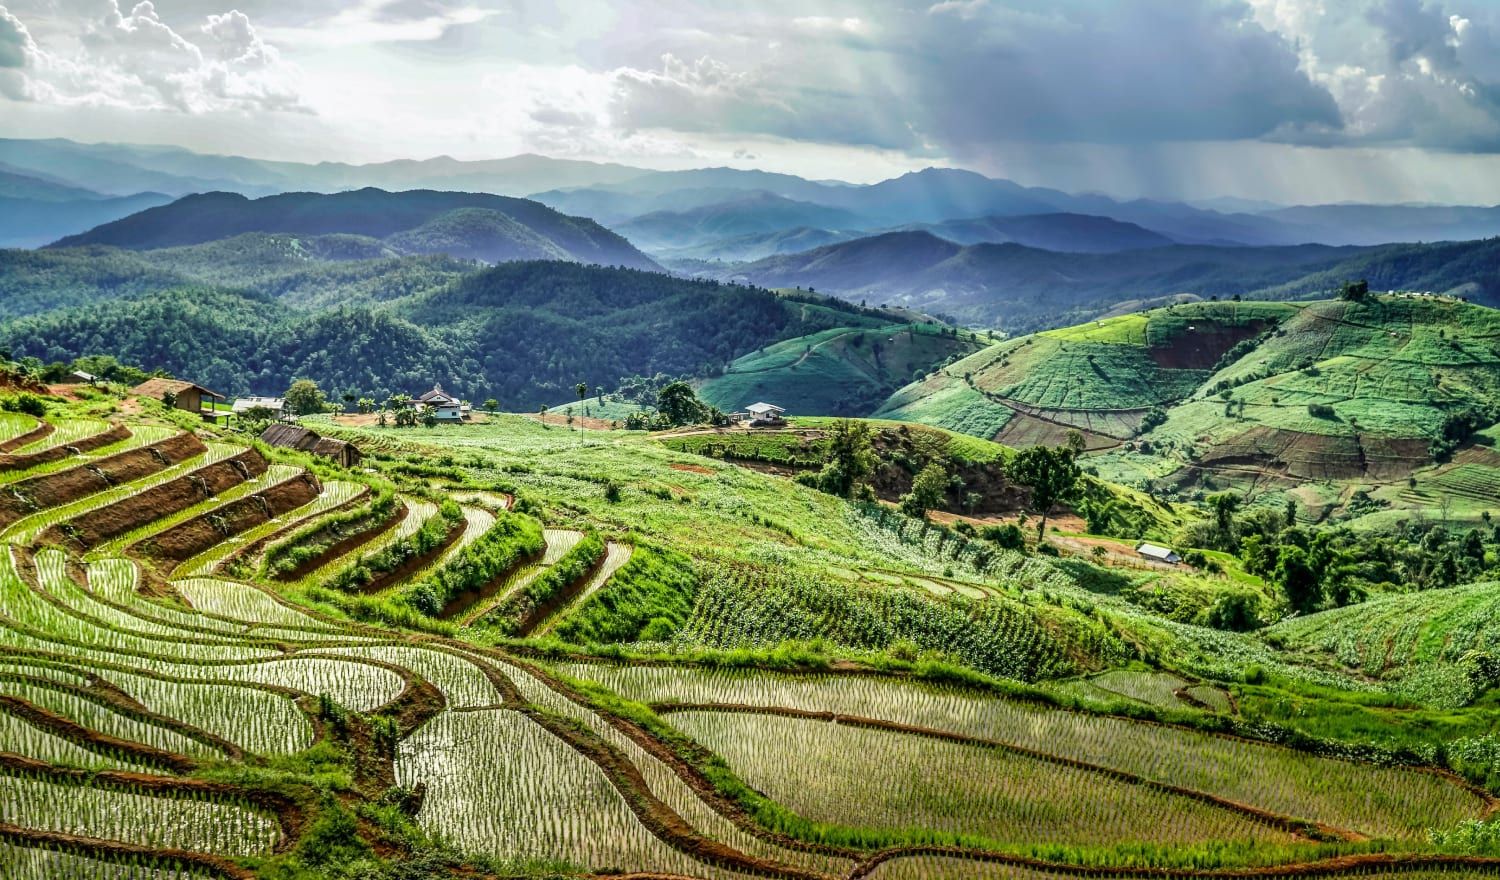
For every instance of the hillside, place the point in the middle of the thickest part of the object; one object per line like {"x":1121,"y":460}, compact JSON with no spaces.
{"x":844,"y":371}
{"x":1258,"y":394}
{"x":758,"y":214}
{"x":35,"y":220}
{"x":523,"y":332}
{"x":316,"y":271}
{"x":1019,"y":288}
{"x":1072,"y":233}
{"x":491,"y":641}
{"x":477,"y":226}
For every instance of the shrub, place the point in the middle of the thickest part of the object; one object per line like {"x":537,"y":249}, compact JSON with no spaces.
{"x":25,"y":402}
{"x":513,"y":537}
{"x":575,"y":565}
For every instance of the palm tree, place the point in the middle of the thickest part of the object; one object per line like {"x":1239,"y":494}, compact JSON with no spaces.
{"x":583,"y":391}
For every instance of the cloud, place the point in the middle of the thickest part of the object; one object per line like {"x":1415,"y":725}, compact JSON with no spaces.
{"x":136,"y":60}
{"x":384,"y":21}
{"x":1148,"y":71}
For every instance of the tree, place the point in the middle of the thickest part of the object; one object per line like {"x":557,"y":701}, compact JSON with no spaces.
{"x":304,"y":397}
{"x":1052,"y":473}
{"x":927,"y":491}
{"x":850,"y":460}
{"x":491,"y":404}
{"x":349,"y":399}
{"x":680,"y":405}
{"x":1298,"y":581}
{"x":1224,"y":506}
{"x":1355,"y":291}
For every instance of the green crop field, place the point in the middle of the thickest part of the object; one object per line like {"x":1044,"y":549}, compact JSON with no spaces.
{"x":725,"y":674}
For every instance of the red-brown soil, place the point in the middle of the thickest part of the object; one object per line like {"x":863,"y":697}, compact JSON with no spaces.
{"x":50,"y":490}
{"x":113,"y":434}
{"x":187,"y":539}
{"x":96,"y":526}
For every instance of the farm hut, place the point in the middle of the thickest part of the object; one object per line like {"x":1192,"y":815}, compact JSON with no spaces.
{"x":1158,"y":553}
{"x":276,"y":405}
{"x":187,"y":396}
{"x":441,"y":405}
{"x":765,"y":413}
{"x":84,"y":378}
{"x":297,"y":437}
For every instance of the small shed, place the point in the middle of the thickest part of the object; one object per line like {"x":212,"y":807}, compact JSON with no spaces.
{"x":187,"y":396}
{"x":1158,"y":553}
{"x":84,"y":378}
{"x":286,"y":436}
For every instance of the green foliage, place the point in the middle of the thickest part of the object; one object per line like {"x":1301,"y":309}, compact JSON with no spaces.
{"x":304,"y":397}
{"x":850,"y":458}
{"x":507,"y":618}
{"x":315,"y":538}
{"x":1052,"y":473}
{"x":371,"y":565}
{"x":648,"y":599}
{"x":927,"y":491}
{"x":513,"y":538}
{"x":26,"y":403}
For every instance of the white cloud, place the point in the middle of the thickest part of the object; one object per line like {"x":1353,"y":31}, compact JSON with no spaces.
{"x":138,"y":61}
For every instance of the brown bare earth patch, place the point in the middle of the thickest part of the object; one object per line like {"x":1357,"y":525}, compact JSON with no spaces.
{"x":1302,"y":456}
{"x":691,"y":468}
{"x":94,"y":527}
{"x":1201,"y":348}
{"x":50,"y":490}
{"x":187,"y":539}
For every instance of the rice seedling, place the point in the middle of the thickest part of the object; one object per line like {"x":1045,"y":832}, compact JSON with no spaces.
{"x":462,"y":682}
{"x":20,"y":737}
{"x":96,"y":714}
{"x":114,"y":580}
{"x":499,"y":784}
{"x":66,"y":433}
{"x":664,"y":782}
{"x":1380,"y":801}
{"x":25,"y":530}
{"x":56,"y":626}
{"x":242,"y":602}
{"x":334,"y":494}
{"x":13,"y":425}
{"x":256,"y":720}
{"x":1155,"y":688}
{"x":53,"y":578}
{"x":198,"y":824}
{"x":879,"y":780}
{"x":140,"y":436}
{"x":34,"y":863}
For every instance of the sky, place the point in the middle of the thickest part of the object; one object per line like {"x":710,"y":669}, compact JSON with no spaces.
{"x":1285,"y":100}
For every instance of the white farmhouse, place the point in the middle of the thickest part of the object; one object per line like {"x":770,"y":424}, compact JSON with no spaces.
{"x":441,"y":405}
{"x":765,"y":413}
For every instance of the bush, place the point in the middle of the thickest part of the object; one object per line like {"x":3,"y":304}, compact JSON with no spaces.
{"x":513,"y":537}
{"x":1008,"y":536}
{"x":428,"y":538}
{"x":649,"y":599}
{"x":25,"y":402}
{"x":514,"y":612}
{"x":315,"y":538}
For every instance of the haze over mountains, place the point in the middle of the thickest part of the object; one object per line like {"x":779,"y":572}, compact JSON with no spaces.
{"x":944,"y":241}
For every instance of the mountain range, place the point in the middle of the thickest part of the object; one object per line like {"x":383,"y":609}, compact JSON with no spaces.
{"x":720,"y":206}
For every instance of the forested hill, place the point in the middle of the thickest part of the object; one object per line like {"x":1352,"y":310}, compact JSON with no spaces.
{"x":524,"y":333}
{"x":469,"y":225}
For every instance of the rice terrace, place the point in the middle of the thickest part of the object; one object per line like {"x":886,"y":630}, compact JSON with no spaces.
{"x":230,"y":659}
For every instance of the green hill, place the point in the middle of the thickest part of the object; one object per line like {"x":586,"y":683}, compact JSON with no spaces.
{"x":840,"y":371}
{"x":524,"y":333}
{"x":1255,"y":395}
{"x":473,"y":225}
